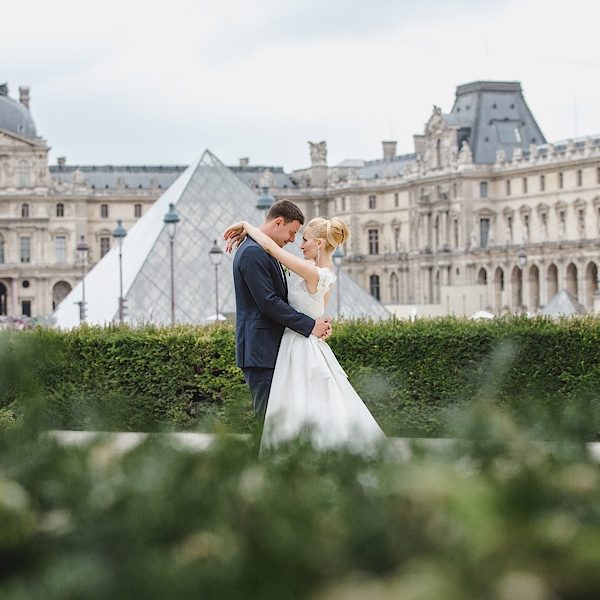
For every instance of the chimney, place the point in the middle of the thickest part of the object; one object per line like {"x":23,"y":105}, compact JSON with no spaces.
{"x":389,"y":151}
{"x":62,"y":161}
{"x":24,"y":96}
{"x":244,"y":162}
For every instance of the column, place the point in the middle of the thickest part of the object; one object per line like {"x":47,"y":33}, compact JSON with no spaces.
{"x":14,"y":288}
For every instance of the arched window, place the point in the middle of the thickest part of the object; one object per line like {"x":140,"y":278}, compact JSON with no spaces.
{"x":374,"y":287}
{"x":23,"y":172}
{"x":60,"y":290}
{"x":482,"y":277}
{"x":25,"y":210}
{"x":60,"y":210}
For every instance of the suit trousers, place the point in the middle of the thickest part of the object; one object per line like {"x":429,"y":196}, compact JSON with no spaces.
{"x":259,"y":381}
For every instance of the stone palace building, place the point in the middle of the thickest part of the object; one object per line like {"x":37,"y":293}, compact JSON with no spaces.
{"x":484,"y":214}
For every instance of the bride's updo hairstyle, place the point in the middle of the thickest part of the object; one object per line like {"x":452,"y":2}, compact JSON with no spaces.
{"x":334,"y":231}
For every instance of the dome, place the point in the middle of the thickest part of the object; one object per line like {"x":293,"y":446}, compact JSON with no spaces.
{"x":15,"y":116}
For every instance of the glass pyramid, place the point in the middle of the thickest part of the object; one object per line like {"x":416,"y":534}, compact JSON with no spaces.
{"x":208,"y":197}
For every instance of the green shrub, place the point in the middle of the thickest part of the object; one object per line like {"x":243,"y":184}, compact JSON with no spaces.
{"x":410,"y":374}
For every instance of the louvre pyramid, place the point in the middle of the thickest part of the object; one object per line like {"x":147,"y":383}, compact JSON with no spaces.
{"x":208,"y":197}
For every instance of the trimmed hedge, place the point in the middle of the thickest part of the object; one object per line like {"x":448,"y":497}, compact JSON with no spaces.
{"x":409,"y":373}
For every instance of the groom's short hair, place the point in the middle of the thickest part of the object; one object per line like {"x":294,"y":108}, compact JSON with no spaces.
{"x":286,"y":209}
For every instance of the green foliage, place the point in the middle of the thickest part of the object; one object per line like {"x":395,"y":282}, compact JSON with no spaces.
{"x":410,"y":374}
{"x":497,"y":513}
{"x":496,"y":516}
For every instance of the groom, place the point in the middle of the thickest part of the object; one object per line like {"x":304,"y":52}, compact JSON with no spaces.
{"x":262,"y":309}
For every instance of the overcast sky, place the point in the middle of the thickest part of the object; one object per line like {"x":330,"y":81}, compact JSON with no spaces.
{"x":143,"y":82}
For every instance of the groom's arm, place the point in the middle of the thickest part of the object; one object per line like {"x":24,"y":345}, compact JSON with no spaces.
{"x":255,"y":269}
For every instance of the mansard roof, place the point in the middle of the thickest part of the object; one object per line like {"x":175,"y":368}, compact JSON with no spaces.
{"x":492,"y":116}
{"x":15,"y":116}
{"x":113,"y":177}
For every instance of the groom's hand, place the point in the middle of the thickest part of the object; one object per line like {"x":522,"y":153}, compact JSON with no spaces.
{"x":322,"y":328}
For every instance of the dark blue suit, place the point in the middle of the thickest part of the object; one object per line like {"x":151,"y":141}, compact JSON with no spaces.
{"x":262,"y":314}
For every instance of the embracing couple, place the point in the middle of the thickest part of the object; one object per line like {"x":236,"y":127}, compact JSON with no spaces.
{"x":297,"y":385}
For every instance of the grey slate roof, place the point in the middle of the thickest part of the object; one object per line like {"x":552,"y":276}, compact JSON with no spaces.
{"x":15,"y":117}
{"x":493,"y":115}
{"x":251,"y":176}
{"x":380,"y":169}
{"x":113,"y":177}
{"x":160,"y":177}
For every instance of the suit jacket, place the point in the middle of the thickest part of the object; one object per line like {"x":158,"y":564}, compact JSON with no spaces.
{"x":262,"y":311}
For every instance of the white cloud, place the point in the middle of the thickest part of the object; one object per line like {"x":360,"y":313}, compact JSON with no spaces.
{"x":137,"y":82}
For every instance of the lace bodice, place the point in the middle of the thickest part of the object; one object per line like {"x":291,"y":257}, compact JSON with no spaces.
{"x":312,"y":305}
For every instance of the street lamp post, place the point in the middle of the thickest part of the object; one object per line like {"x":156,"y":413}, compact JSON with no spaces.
{"x":265,"y":200}
{"x":119,"y":233}
{"x":82,"y":248}
{"x":171,"y":219}
{"x":216,"y":254}
{"x":338,"y":258}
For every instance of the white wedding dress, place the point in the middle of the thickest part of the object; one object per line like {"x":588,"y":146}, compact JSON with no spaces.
{"x":310,"y":394}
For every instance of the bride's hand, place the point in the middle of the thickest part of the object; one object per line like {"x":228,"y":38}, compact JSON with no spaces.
{"x":234,"y":230}
{"x":233,"y":241}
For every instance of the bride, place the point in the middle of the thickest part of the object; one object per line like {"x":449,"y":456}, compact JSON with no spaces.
{"x":310,"y":393}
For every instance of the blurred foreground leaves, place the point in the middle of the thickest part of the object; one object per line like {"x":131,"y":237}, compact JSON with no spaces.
{"x":495,"y":513}
{"x":485,"y":517}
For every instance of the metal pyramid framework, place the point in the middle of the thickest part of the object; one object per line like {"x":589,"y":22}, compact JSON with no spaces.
{"x":208,"y":197}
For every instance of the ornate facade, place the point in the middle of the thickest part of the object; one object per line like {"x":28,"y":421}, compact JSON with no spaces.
{"x":484,"y":214}
{"x":45,"y":210}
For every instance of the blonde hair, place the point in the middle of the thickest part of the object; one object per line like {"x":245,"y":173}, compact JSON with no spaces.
{"x":334,"y":231}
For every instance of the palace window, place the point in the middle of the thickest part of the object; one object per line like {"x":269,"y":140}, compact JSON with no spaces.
{"x":374,"y":287}
{"x":509,"y":226}
{"x":26,"y":308}
{"x":373,"y":241}
{"x":137,"y":211}
{"x":104,"y":211}
{"x":483,"y":189}
{"x":397,"y":238}
{"x":104,"y":246}
{"x":561,"y":180}
{"x":597,"y":174}
{"x":25,"y":210}
{"x":25,"y":249}
{"x":524,"y":185}
{"x":60,"y":210}
{"x":484,"y":232}
{"x":456,"y":233}
{"x":23,"y":172}
{"x":60,"y":248}
{"x":579,"y":177}
{"x":372,"y":202}
{"x":508,"y":187}
{"x":396,"y":200}
{"x":343,"y":203}
{"x":1,"y":250}
{"x":542,"y":182}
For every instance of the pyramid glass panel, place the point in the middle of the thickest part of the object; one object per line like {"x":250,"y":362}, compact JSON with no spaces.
{"x":208,"y":197}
